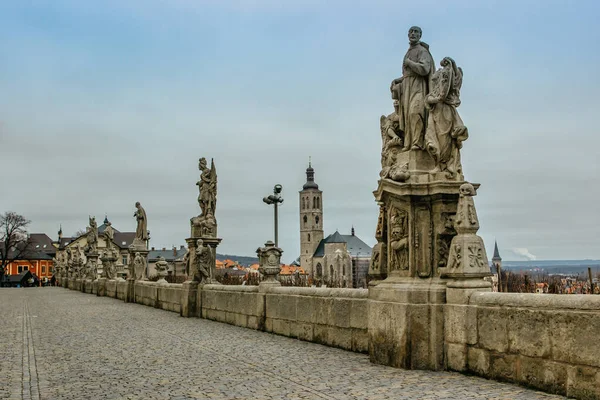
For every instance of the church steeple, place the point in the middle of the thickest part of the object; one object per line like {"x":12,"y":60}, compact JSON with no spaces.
{"x":60,"y":232}
{"x":496,"y":252}
{"x":311,"y":220}
{"x":310,"y":177}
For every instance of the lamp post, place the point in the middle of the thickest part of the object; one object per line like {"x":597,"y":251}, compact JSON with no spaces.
{"x":275,"y":199}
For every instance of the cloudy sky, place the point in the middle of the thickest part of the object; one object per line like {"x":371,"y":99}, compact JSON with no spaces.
{"x":103,"y":104}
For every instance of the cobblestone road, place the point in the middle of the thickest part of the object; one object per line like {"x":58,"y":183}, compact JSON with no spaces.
{"x":61,"y":344}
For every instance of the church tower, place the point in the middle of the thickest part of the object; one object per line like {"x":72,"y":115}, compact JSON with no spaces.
{"x":497,"y":262}
{"x":311,"y":220}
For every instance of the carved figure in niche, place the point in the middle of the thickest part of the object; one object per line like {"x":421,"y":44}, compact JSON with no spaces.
{"x":445,"y":129}
{"x":207,"y":187}
{"x":410,"y":89}
{"x":141,"y":231}
{"x":444,"y":239}
{"x":92,"y":235}
{"x":204,"y":260}
{"x":399,"y":240}
{"x":139,"y":266}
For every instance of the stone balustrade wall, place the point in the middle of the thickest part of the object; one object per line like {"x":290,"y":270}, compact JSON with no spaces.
{"x":549,"y":342}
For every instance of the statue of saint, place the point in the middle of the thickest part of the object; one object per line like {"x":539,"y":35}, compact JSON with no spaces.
{"x":204,"y":260}
{"x":411,"y":89}
{"x":445,"y":129}
{"x":141,"y":232}
{"x":207,"y":186}
{"x":92,"y":235}
{"x":109,"y":234}
{"x":139,"y":267}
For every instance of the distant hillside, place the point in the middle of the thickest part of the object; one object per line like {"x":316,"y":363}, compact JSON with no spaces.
{"x":242,"y":260}
{"x":554,"y":266}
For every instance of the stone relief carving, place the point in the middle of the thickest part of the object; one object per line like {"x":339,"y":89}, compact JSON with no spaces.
{"x":398,"y":228}
{"x":445,"y":129}
{"x":444,"y":238}
{"x":476,"y":256}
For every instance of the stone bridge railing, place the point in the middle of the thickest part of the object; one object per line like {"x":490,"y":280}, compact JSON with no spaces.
{"x":547,"y":342}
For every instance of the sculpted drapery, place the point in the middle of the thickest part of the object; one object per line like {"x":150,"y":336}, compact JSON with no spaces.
{"x":445,"y":129}
{"x":141,"y":232}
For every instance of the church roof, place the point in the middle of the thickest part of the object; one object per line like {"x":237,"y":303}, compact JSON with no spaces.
{"x":355,"y":246}
{"x":496,"y":252}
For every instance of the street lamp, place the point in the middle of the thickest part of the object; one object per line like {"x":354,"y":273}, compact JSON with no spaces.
{"x":275,"y":199}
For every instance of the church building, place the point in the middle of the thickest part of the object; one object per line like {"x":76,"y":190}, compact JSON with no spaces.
{"x":336,"y":260}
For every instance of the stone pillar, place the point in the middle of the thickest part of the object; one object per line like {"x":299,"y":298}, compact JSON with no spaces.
{"x":466,"y":268}
{"x":201,"y":269}
{"x":415,"y":227}
{"x":270,"y":266}
{"x":101,"y":287}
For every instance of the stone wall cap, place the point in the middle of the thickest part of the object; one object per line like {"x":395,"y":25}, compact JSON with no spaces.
{"x":230,"y":288}
{"x":532,"y":300}
{"x":320,"y":292}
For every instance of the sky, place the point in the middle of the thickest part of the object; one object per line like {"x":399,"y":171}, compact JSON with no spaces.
{"x":103,"y":104}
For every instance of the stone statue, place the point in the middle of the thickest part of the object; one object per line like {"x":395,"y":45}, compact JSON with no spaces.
{"x":92,"y":235}
{"x":141,"y":232}
{"x":204,"y":260}
{"x":109,"y":257}
{"x":412,"y":88}
{"x":207,"y":186}
{"x":139,"y":267}
{"x":445,"y":129}
{"x":109,"y":234}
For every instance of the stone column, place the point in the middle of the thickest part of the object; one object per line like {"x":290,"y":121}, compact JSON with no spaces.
{"x":270,"y":266}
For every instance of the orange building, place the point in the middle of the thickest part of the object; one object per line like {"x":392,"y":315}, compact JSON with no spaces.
{"x":38,"y":260}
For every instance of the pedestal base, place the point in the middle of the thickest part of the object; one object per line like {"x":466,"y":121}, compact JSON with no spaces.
{"x":406,"y":323}
{"x":190,"y":305}
{"x":101,"y":287}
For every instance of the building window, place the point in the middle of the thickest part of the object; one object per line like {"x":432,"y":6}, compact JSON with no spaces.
{"x":318,"y":203}
{"x":309,"y":237}
{"x":317,"y":220}
{"x":319,"y":270}
{"x":43,"y":269}
{"x":344,"y":270}
{"x":19,"y":269}
{"x":303,"y":203}
{"x":305,"y":220}
{"x":124,"y":260}
{"x":50,"y":270}
{"x":314,"y":202}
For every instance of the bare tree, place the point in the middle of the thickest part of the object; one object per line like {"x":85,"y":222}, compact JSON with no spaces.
{"x":15,"y":244}
{"x":80,"y":232}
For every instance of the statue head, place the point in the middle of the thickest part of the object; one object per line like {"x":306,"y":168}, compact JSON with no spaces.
{"x":202,"y":164}
{"x":414,"y":34}
{"x":199,"y":243}
{"x":137,"y":204}
{"x":466,"y":189}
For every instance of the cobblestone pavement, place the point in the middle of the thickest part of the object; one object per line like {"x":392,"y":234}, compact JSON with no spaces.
{"x":61,"y":344}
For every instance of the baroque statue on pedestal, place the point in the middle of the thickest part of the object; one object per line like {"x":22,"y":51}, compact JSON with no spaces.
{"x":205,"y":225}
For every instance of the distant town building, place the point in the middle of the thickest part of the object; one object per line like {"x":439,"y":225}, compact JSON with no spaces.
{"x":336,"y":260}
{"x":495,"y":268}
{"x":37,"y":260}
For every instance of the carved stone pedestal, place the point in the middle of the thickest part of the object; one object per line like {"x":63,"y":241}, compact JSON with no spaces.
{"x":130,"y":296}
{"x":415,"y":231}
{"x":209,"y":264}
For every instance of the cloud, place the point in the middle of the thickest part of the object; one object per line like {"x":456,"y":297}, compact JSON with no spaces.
{"x":523,"y":252}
